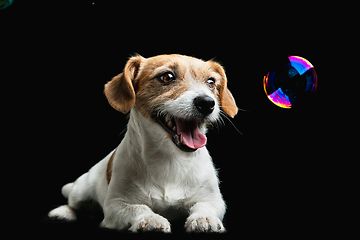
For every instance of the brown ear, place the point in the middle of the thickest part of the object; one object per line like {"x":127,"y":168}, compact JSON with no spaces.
{"x":227,"y":101}
{"x":120,"y":90}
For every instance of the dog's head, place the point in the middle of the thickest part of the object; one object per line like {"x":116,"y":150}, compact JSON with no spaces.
{"x":182,"y":94}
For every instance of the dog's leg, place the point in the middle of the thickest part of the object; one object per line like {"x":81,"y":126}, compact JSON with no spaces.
{"x":205,"y":217}
{"x":63,"y":212}
{"x":77,"y":193}
{"x":66,"y":189}
{"x":135,"y":217}
{"x":89,"y":187}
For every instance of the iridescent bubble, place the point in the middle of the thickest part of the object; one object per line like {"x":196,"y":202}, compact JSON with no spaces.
{"x":5,"y":3}
{"x":292,"y":83}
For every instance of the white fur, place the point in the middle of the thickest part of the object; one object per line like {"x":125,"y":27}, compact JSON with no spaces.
{"x":150,"y":177}
{"x":183,"y":105}
{"x":63,"y":212}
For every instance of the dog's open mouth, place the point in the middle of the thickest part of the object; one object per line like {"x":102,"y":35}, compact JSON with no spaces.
{"x":185,"y":134}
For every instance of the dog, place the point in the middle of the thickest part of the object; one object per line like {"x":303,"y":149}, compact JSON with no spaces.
{"x":161,"y":169}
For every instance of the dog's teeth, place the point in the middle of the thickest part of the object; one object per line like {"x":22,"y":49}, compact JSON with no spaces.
{"x":174,"y":129}
{"x":170,"y":125}
{"x":181,"y":140}
{"x":167,"y":118}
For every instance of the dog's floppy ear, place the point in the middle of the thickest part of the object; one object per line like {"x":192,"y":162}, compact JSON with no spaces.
{"x":227,"y":101}
{"x":120,"y":91}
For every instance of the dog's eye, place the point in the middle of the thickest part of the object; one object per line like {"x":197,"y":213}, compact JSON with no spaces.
{"x":167,"y":77}
{"x":211,"y":83}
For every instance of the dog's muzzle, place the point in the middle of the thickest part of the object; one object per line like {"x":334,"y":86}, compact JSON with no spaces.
{"x":185,"y":133}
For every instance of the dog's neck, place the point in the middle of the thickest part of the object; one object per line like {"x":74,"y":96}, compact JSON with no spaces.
{"x":144,"y":132}
{"x":150,"y":146}
{"x":149,"y":137}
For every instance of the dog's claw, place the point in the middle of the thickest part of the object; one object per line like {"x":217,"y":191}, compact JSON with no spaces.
{"x":151,"y":222}
{"x":204,"y":224}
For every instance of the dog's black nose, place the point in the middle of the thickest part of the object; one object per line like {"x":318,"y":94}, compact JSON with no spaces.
{"x":204,"y":104}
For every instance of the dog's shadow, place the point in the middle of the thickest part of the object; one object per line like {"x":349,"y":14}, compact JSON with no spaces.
{"x":88,"y":223}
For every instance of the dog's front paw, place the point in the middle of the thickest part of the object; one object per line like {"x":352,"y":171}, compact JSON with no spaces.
{"x":151,"y":222}
{"x":204,"y":224}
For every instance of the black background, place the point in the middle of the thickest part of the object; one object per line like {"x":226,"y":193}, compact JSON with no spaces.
{"x":57,"y":57}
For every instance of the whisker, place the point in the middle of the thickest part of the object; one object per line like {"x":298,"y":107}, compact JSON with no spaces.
{"x":217,"y":124}
{"x":221,"y":122}
{"x":123,"y":131}
{"x":244,"y":110}
{"x":224,"y":115}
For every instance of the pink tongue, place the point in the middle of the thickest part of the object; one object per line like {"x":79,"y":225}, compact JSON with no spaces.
{"x":190,"y":132}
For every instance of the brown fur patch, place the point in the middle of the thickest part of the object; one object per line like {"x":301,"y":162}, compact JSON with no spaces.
{"x":227,"y":101}
{"x":109,"y":167}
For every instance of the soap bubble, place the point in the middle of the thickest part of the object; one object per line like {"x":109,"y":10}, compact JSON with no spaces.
{"x":5,"y":3}
{"x":292,"y":83}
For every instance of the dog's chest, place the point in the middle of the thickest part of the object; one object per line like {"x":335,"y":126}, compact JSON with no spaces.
{"x":169,"y":196}
{"x":170,"y":204}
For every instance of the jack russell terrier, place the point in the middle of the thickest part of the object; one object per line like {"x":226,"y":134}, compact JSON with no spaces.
{"x":162,"y":167}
